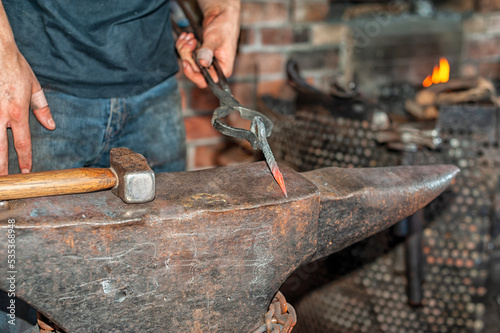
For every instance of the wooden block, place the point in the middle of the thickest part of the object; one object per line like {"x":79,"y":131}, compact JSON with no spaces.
{"x":425,"y":97}
{"x":421,"y":112}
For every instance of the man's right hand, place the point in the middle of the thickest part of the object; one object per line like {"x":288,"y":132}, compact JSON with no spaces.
{"x":17,"y":84}
{"x":221,"y":28}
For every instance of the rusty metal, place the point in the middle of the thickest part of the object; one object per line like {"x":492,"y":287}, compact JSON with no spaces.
{"x":44,"y":325}
{"x":409,"y":137}
{"x":280,"y":318}
{"x":339,"y":220}
{"x":211,"y":242}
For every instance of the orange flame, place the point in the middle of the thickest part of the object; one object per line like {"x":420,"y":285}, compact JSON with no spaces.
{"x":440,"y":74}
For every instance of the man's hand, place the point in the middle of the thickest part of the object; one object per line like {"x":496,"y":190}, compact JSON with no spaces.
{"x":17,"y":85}
{"x":221,"y":28}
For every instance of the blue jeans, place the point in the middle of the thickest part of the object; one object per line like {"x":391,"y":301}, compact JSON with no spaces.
{"x":86,"y":129}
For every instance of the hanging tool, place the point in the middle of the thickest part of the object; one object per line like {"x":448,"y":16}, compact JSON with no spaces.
{"x":261,"y":126}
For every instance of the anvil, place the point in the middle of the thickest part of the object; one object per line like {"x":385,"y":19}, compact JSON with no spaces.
{"x":208,"y":253}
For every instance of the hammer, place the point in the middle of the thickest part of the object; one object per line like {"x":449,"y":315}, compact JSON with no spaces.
{"x":129,"y":177}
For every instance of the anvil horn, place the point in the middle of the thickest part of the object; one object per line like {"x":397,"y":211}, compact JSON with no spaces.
{"x":208,"y":254}
{"x":358,"y":203}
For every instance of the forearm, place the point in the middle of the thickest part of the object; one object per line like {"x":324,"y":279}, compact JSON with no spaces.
{"x":17,"y":86}
{"x":228,"y":9}
{"x":217,"y":6}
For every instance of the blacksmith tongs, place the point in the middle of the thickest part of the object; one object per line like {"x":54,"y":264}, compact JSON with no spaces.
{"x":261,"y":126}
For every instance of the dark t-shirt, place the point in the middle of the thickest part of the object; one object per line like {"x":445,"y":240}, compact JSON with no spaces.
{"x":95,"y":48}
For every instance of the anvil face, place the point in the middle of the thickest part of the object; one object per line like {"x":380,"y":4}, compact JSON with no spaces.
{"x":210,"y":244}
{"x":208,"y":253}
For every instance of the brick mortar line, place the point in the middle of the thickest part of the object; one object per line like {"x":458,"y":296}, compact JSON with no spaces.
{"x":285,"y":24}
{"x":488,"y":15}
{"x":266,"y":1}
{"x":480,"y":61}
{"x":483,"y":59}
{"x":190,"y":158}
{"x":288,"y":48}
{"x":249,"y":78}
{"x":258,"y":37}
{"x":205,"y":142}
{"x":481,"y":36}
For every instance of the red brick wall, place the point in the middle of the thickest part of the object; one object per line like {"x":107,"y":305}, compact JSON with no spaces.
{"x":274,"y":31}
{"x":488,"y":5}
{"x":481,"y":44}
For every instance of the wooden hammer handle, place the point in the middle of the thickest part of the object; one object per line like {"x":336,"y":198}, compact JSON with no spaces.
{"x":38,"y":184}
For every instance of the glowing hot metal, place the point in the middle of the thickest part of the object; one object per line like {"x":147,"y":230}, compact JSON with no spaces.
{"x":259,"y":129}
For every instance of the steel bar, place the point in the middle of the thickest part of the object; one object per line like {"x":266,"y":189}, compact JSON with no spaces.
{"x":415,"y":259}
{"x":208,"y":254}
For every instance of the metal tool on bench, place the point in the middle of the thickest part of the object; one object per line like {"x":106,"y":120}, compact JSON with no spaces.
{"x":198,"y":258}
{"x":129,"y":177}
{"x":261,"y":126}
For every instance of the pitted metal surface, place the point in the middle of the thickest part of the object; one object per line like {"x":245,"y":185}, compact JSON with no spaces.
{"x":459,"y":293}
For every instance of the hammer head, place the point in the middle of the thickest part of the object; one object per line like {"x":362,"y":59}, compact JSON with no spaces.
{"x":136,"y":180}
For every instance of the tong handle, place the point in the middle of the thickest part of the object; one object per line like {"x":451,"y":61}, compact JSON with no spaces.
{"x":222,"y":91}
{"x":221,"y":87}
